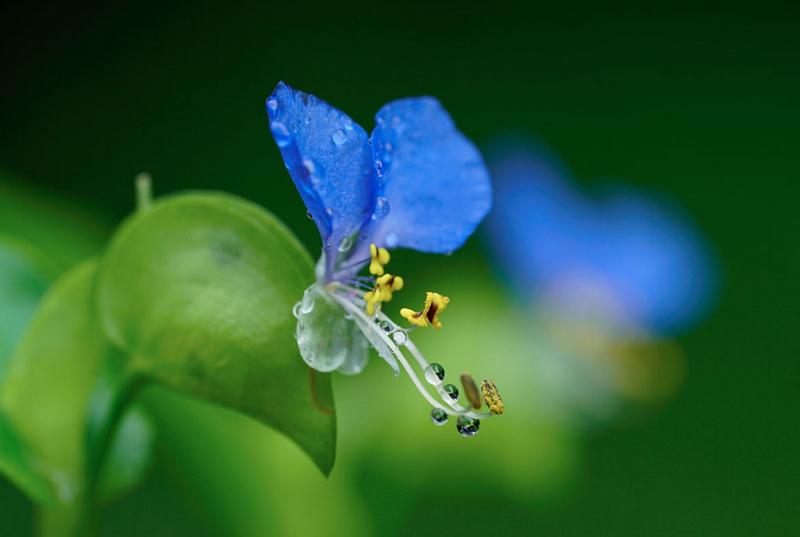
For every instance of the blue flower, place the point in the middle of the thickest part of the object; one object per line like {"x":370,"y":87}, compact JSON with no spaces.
{"x":641,"y":249}
{"x":606,"y":281}
{"x":416,"y":182}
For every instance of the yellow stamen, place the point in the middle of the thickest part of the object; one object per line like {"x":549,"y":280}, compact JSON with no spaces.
{"x":380,"y":257}
{"x":491,"y":396}
{"x":372,"y":298}
{"x":382,"y":292}
{"x":434,"y":305}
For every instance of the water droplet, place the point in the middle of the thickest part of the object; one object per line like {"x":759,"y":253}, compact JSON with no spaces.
{"x":307,"y":305}
{"x":296,"y":309}
{"x":391,"y":240}
{"x":451,"y":390}
{"x":310,"y":215}
{"x":345,"y":244}
{"x":307,"y":120}
{"x":400,"y":337}
{"x":386,"y":326}
{"x":272,"y":104}
{"x":468,"y":426}
{"x":348,"y":124}
{"x":438,"y":416}
{"x":280,"y":133}
{"x":388,"y":146}
{"x":308,"y":164}
{"x":434,"y":373}
{"x":381,"y":208}
{"x":339,"y":137}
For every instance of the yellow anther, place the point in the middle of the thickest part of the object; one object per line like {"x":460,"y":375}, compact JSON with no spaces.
{"x":434,"y":305}
{"x":382,"y":292}
{"x":380,"y":257}
{"x":372,"y":298}
{"x":491,"y":396}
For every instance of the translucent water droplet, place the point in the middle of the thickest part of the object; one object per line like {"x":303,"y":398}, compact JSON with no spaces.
{"x":280,"y":133}
{"x":339,"y":137}
{"x":379,"y":168}
{"x":345,"y":244}
{"x":308,"y":164}
{"x":363,"y":235}
{"x":400,"y":337}
{"x":468,"y":426}
{"x":381,"y":208}
{"x":451,"y":390}
{"x":307,"y":305}
{"x":434,"y":373}
{"x":310,"y":215}
{"x":386,"y":326}
{"x":391,"y":240}
{"x":328,"y":211}
{"x":296,"y":309}
{"x":272,"y":104}
{"x":307,"y":120}
{"x":358,"y":355}
{"x":438,"y":416}
{"x":322,"y":331}
{"x":348,"y":124}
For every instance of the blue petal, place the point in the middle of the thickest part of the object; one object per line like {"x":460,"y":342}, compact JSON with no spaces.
{"x":329,"y":158}
{"x":643,"y":251}
{"x":434,"y":187}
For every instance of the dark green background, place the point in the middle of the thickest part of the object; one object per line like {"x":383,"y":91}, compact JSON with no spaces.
{"x":699,"y":101}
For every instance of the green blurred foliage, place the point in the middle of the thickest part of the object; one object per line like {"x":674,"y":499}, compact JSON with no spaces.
{"x":695,"y":99}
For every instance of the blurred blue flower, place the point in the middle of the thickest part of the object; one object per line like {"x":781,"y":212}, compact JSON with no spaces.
{"x":626,"y":255}
{"x":605,"y":281}
{"x":416,"y":183}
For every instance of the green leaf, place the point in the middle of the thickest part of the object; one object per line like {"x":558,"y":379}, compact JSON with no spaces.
{"x":45,"y":400}
{"x":50,"y":376}
{"x":198,"y":291}
{"x":25,"y":274}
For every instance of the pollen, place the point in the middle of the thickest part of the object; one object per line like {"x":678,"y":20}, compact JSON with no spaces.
{"x":491,"y":396}
{"x":380,"y":257}
{"x":434,"y":305}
